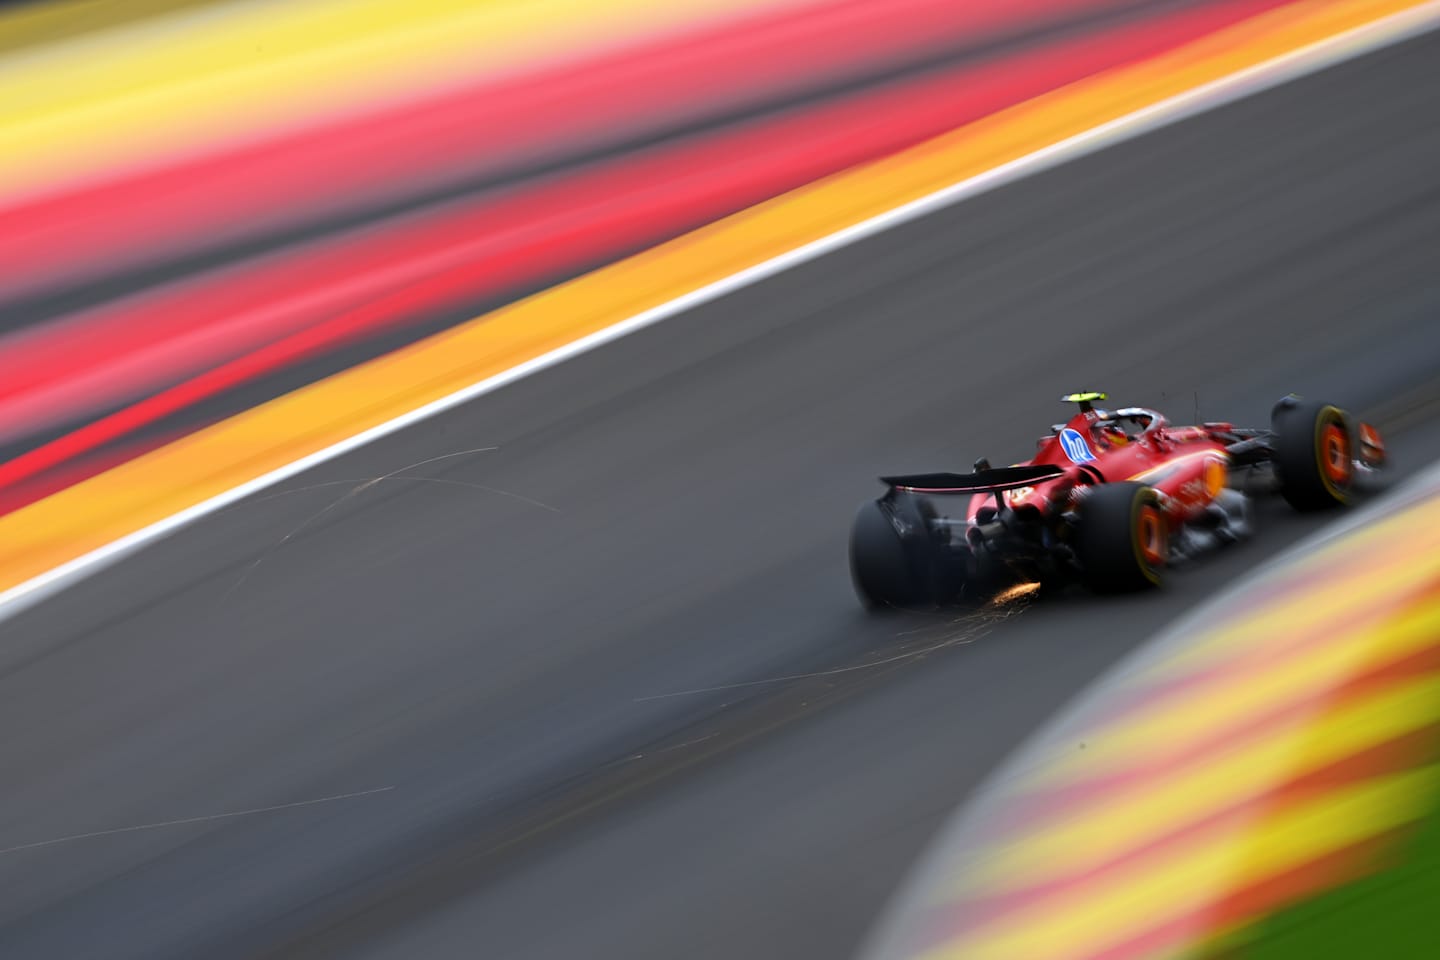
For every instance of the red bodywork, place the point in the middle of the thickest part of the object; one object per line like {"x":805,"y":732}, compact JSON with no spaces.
{"x":1187,"y":466}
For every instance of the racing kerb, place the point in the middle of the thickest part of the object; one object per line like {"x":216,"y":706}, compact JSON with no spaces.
{"x":1268,"y":747}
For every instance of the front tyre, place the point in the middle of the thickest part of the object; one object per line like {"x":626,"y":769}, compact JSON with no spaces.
{"x":1313,"y":455}
{"x":1122,"y":538}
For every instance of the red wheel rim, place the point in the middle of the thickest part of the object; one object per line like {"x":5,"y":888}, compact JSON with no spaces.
{"x":1150,"y":536}
{"x":1335,"y":455}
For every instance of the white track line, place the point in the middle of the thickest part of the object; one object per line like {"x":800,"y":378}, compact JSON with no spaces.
{"x":1272,"y":73}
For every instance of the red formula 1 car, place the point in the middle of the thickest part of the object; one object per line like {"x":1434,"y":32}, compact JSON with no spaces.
{"x":1110,"y":499}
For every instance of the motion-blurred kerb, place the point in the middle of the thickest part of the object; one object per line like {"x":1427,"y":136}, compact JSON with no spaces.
{"x":376,"y":151}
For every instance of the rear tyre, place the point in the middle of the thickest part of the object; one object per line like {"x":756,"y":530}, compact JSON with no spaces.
{"x":1122,"y":539}
{"x":1314,"y":461}
{"x":893,"y":556}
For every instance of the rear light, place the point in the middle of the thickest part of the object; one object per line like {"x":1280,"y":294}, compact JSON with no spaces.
{"x":1372,"y":447}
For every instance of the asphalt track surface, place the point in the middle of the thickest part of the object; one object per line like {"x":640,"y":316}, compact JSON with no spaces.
{"x":556,"y":671}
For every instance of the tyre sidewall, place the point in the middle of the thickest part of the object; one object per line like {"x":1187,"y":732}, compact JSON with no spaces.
{"x":1109,"y":543}
{"x":1302,"y":438}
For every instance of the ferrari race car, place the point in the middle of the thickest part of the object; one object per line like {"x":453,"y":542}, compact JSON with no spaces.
{"x":1110,"y":499}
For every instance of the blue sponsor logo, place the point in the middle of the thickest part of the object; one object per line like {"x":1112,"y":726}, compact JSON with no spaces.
{"x":1075,"y":446}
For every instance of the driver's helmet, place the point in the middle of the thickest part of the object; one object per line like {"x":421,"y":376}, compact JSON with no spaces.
{"x":1103,"y":428}
{"x":1109,"y":433}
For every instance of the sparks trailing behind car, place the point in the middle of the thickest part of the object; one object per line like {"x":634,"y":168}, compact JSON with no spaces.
{"x":1110,"y":499}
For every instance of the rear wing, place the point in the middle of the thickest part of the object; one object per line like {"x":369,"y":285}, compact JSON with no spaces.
{"x":988,"y":481}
